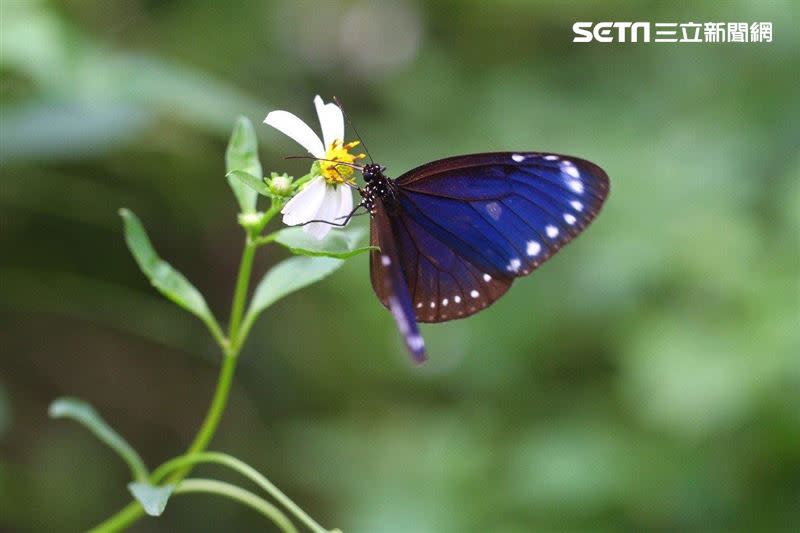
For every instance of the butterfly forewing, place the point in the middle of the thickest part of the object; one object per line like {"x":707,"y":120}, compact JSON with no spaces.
{"x":505,"y":213}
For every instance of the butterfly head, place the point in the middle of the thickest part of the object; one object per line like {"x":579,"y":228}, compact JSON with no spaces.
{"x":378,"y":187}
{"x":372,"y":172}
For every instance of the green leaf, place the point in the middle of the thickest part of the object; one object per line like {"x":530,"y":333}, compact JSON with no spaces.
{"x":284,"y":278}
{"x":153,"y":499}
{"x":85,"y":414}
{"x":240,"y":495}
{"x":338,"y":243}
{"x":247,"y":179}
{"x":166,"y":279}
{"x":242,"y":154}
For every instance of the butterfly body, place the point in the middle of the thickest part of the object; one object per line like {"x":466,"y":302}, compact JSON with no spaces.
{"x":378,"y":188}
{"x":453,"y":234}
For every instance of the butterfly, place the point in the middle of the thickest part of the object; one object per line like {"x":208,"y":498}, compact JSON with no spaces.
{"x":452,"y":235}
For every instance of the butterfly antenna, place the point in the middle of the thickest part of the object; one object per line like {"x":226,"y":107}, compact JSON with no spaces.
{"x":347,"y":117}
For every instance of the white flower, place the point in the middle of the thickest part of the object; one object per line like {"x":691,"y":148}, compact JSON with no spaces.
{"x":328,"y":196}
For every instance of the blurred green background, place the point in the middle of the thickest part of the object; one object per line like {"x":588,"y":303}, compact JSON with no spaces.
{"x":647,"y":378}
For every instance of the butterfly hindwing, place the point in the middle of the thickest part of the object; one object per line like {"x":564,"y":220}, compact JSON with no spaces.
{"x":389,"y":282}
{"x":444,"y":283}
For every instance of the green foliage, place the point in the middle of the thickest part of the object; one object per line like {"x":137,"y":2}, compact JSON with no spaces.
{"x":240,"y":495}
{"x":286,"y":277}
{"x":341,"y":244}
{"x":166,"y":279}
{"x":87,"y":97}
{"x":84,"y":414}
{"x":242,"y":155}
{"x":247,"y":471}
{"x":249,"y":181}
{"x":153,"y":498}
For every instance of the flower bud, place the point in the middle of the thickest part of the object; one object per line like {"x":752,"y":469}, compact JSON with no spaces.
{"x":280,"y":184}
{"x":250,"y":220}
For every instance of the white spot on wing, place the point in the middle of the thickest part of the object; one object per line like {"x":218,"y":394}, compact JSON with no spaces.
{"x":433,"y":305}
{"x":457,"y":299}
{"x":551,"y":157}
{"x":399,"y":316}
{"x":494,"y":210}
{"x":487,"y":277}
{"x":518,"y":158}
{"x":445,"y":301}
{"x":513,"y":265}
{"x":552,"y":231}
{"x":416,"y":342}
{"x":474,"y":293}
{"x":576,"y":186}
{"x":570,"y":169}
{"x":419,"y":305}
{"x":570,"y":219}
{"x":576,"y":205}
{"x":386,"y":260}
{"x":533,"y":248}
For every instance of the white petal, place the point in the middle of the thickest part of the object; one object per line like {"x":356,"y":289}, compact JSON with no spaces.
{"x":305,"y":204}
{"x":327,"y":211}
{"x":331,"y":121}
{"x":330,"y":205}
{"x":345,"y":203}
{"x":290,"y":125}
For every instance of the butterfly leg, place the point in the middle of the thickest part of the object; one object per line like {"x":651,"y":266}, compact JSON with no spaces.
{"x":337,"y":224}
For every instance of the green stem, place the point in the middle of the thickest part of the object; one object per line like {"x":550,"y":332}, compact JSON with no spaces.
{"x":221,"y":488}
{"x":261,"y":240}
{"x":247,"y":471}
{"x":214,"y":414}
{"x":240,"y":294}
{"x":216,"y":332}
{"x":133,"y":511}
{"x":236,"y":335}
{"x":273,"y":210}
{"x":119,"y":521}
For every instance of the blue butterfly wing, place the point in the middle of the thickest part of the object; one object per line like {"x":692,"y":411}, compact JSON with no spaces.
{"x":467,"y":226}
{"x":443,"y":283}
{"x":388,"y":280}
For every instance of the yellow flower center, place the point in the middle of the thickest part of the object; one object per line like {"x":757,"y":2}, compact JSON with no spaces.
{"x":333,"y":173}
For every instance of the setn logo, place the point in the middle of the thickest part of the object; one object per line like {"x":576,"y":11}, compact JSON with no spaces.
{"x":604,"y":32}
